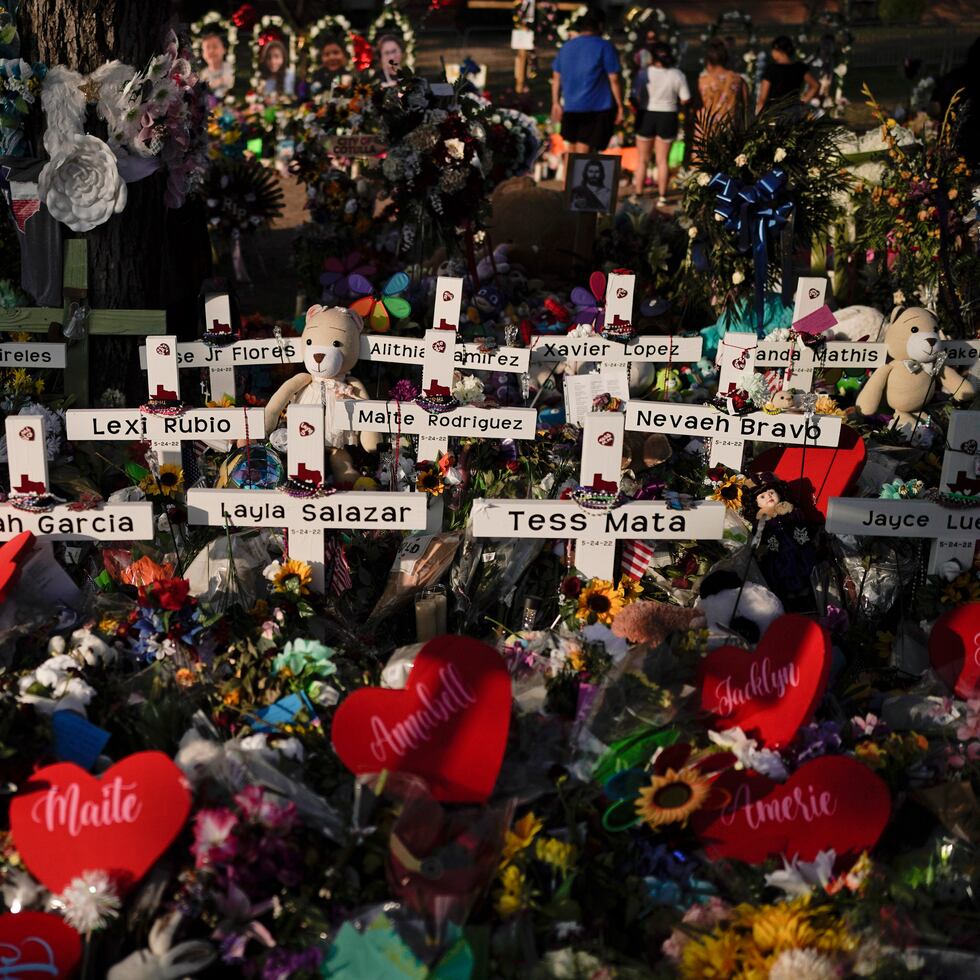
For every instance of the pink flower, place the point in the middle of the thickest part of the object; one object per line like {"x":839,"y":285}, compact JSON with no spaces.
{"x":262,"y":808}
{"x":213,"y":841}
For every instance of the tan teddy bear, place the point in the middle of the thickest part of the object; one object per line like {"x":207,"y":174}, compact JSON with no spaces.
{"x":908,"y":382}
{"x":331,"y":344}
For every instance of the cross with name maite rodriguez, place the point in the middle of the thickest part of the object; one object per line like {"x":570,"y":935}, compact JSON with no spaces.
{"x":31,"y":505}
{"x":305,"y":518}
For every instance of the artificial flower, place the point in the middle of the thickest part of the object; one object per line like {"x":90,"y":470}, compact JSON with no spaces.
{"x":513,"y":895}
{"x":599,"y":601}
{"x":90,"y":902}
{"x":729,"y":492}
{"x":292,"y":575}
{"x":520,"y":836}
{"x":672,"y":797}
{"x":168,"y":483}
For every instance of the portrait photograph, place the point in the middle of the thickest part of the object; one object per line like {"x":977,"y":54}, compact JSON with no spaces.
{"x":591,"y":183}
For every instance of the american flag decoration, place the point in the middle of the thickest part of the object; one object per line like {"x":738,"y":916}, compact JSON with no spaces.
{"x":337,"y":576}
{"x":636,"y":559}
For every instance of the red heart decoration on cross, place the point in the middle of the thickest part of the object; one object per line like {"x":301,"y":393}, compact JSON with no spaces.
{"x":771,"y":691}
{"x":439,"y":346}
{"x":12,"y":555}
{"x":27,"y":433}
{"x":449,"y":725}
{"x":306,"y":429}
{"x":37,"y":943}
{"x":834,"y":802}
{"x":814,"y":474}
{"x":67,"y":821}
{"x":605,"y":439}
{"x":954,"y":649}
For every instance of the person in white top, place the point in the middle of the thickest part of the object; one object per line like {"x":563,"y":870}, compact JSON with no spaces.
{"x":660,"y":92}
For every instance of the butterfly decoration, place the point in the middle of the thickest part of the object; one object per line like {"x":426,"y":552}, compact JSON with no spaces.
{"x":590,"y":302}
{"x":336,"y":274}
{"x":377,"y":311}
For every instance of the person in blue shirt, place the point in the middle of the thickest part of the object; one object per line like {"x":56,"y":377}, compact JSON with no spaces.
{"x":586,"y":96}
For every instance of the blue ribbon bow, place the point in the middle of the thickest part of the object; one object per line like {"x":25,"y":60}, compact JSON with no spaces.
{"x":752,"y":212}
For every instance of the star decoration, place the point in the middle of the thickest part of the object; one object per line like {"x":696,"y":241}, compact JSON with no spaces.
{"x":91,"y":89}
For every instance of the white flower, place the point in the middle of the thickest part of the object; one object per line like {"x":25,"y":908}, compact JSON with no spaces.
{"x":741,"y":160}
{"x":898,"y":297}
{"x":747,"y":751}
{"x":737,"y":277}
{"x":840,"y":71}
{"x":779,"y":155}
{"x":692,"y":232}
{"x":271,"y":570}
{"x":468,"y":390}
{"x":582,"y":330}
{"x":89,"y":903}
{"x":803,"y":964}
{"x":456,"y":149}
{"x":798,"y":878}
{"x":719,"y":216}
{"x":81,"y":186}
{"x":704,"y":179}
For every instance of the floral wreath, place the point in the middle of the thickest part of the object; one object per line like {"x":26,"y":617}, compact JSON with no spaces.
{"x":565,"y":27}
{"x":391,"y":21}
{"x":835,"y":24}
{"x":270,"y":24}
{"x":212,"y":19}
{"x":336,"y":26}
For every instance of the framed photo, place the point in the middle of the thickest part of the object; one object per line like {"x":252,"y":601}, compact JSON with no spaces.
{"x":591,"y":183}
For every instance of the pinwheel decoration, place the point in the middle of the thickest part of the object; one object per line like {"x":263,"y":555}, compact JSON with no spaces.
{"x":377,"y":311}
{"x":590,"y":302}
{"x":336,"y":274}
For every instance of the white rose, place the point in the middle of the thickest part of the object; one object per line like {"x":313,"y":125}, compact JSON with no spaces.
{"x":692,"y":232}
{"x":81,"y":186}
{"x":704,"y":179}
{"x":779,"y":155}
{"x":741,"y":160}
{"x":840,"y":71}
{"x":737,"y":277}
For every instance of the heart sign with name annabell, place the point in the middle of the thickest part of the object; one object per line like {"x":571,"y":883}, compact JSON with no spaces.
{"x":67,"y":821}
{"x":954,"y":649}
{"x":833,"y":802}
{"x":449,"y":725}
{"x":771,"y":691}
{"x":38,"y":944}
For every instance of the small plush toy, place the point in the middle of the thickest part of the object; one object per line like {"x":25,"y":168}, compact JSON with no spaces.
{"x":729,"y":604}
{"x":783,"y":400}
{"x":908,"y":382}
{"x":331,"y":344}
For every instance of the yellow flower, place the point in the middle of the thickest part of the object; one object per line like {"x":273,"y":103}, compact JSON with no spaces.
{"x":185,"y":677}
{"x":783,"y":926}
{"x":870,"y":753}
{"x":673,"y":797}
{"x":729,"y":491}
{"x":713,"y":957}
{"x":630,"y":588}
{"x":292,"y":568}
{"x":520,"y":836}
{"x":555,"y":852}
{"x":511,"y":898}
{"x":599,"y":600}
{"x":429,"y":481}
{"x":825,"y":405}
{"x":168,"y":484}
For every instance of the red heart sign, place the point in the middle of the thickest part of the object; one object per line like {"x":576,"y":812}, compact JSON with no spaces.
{"x":439,"y":346}
{"x":620,"y":293}
{"x":27,"y":434}
{"x":772,"y":691}
{"x":605,"y":439}
{"x":11,"y":555}
{"x":449,"y":725}
{"x":834,"y":802}
{"x":163,"y":349}
{"x":306,"y":429}
{"x":954,"y":649}
{"x":67,"y":821}
{"x":36,"y":943}
{"x":816,"y":473}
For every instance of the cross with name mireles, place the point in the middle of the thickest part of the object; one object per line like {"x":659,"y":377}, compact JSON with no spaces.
{"x":303,"y":507}
{"x":32,"y":506}
{"x":164,"y":420}
{"x":76,"y":315}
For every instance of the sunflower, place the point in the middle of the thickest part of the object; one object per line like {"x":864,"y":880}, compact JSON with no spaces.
{"x":729,"y":492}
{"x":429,"y":481}
{"x":599,"y":602}
{"x":169,"y":483}
{"x":672,"y":797}
{"x":788,"y":925}
{"x":630,"y":588}
{"x":293,"y":576}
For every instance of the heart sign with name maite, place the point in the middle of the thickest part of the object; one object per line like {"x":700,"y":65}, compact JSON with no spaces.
{"x":66,"y":821}
{"x":38,"y":944}
{"x":449,"y":725}
{"x":771,"y":691}
{"x":834,"y":802}
{"x":814,"y":474}
{"x":954,"y":649}
{"x":13,"y":554}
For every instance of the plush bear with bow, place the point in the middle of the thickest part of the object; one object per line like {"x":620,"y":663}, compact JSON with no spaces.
{"x":331,"y":345}
{"x":916,"y":371}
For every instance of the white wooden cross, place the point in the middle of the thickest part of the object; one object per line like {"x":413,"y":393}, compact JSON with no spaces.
{"x":28,"y":463}
{"x":960,"y":474}
{"x":306,"y":518}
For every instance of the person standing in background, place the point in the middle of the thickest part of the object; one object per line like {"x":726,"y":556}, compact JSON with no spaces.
{"x":721,"y":89}
{"x":785,"y":76}
{"x":662,"y":90}
{"x":586,"y":96}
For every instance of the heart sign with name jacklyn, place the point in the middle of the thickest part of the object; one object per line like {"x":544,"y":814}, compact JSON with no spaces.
{"x":38,"y":944}
{"x":67,"y":821}
{"x":833,"y":802}
{"x":954,"y":649}
{"x":771,"y":691}
{"x":449,"y":725}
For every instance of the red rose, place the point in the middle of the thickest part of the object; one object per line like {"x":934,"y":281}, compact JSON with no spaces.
{"x":571,"y":587}
{"x":513,"y":466}
{"x":168,"y":593}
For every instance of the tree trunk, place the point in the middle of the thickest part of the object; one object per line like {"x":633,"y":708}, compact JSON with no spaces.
{"x":135,"y":262}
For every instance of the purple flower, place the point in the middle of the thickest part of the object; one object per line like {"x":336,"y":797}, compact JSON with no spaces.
{"x":260,"y":807}
{"x":213,"y":840}
{"x":404,"y":391}
{"x":816,"y":739}
{"x":283,"y":964}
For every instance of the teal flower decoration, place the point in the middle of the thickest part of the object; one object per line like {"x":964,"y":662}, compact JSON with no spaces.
{"x":305,"y":656}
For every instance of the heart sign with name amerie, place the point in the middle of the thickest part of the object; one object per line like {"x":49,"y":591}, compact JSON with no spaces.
{"x":67,"y":821}
{"x":834,"y":802}
{"x":449,"y":725}
{"x":769,"y":692}
{"x":954,"y":649}
{"x":38,"y":944}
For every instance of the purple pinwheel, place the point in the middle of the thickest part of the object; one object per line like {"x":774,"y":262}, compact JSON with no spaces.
{"x":336,"y":274}
{"x":590,"y":304}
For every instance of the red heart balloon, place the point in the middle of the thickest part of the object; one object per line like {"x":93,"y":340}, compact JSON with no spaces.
{"x":772,"y":691}
{"x":33,"y":943}
{"x":448,"y":726}
{"x":814,"y":474}
{"x":67,"y":821}
{"x":12,"y":553}
{"x":833,"y":802}
{"x":954,"y":649}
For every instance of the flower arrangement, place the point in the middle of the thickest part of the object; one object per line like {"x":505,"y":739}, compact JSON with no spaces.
{"x":20,"y":86}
